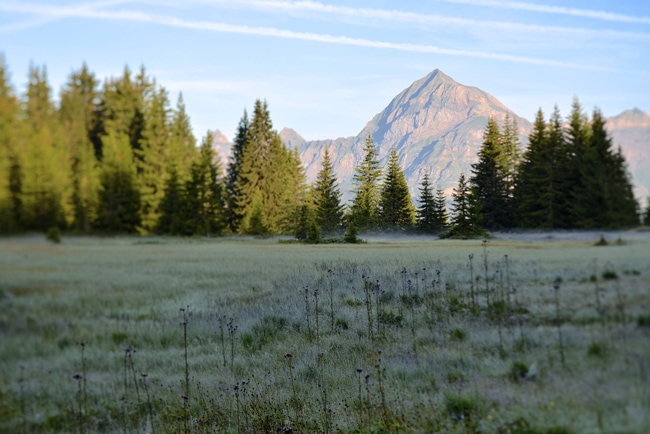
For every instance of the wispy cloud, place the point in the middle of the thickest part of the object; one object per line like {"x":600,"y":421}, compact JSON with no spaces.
{"x":576,"y":12}
{"x":47,"y":14}
{"x":280,"y":33}
{"x":412,"y":17}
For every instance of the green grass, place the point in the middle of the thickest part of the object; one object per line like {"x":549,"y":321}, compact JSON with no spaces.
{"x":446,"y":364}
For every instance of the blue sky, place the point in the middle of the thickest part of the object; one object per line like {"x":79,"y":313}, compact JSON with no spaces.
{"x":326,"y":67}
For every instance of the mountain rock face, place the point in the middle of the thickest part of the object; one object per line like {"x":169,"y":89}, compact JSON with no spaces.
{"x":631,"y":131}
{"x":436,"y":125}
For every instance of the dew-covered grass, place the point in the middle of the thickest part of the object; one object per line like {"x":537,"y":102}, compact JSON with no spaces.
{"x":395,"y":335}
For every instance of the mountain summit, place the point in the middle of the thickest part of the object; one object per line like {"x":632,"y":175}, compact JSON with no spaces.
{"x":436,"y":125}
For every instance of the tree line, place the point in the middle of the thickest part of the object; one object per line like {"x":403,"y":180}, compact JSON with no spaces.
{"x":116,"y":157}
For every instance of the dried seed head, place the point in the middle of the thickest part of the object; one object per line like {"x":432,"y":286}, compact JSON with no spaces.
{"x":288,"y":355}
{"x":77,"y":377}
{"x":359,"y":370}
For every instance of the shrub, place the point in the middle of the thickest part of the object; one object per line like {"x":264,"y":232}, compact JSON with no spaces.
{"x":457,"y":334}
{"x":389,"y":318}
{"x":53,"y":235}
{"x":596,"y":350}
{"x":610,"y":275}
{"x":643,"y":320}
{"x":518,"y":371}
{"x":601,"y":242}
{"x":462,"y":407}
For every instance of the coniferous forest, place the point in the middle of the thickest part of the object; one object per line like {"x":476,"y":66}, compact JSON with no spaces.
{"x":120,"y":157}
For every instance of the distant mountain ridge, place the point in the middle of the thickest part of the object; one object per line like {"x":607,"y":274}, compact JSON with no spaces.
{"x":437,"y":125}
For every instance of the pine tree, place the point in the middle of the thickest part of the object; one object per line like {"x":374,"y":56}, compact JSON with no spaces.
{"x":440,"y":218}
{"x":122,"y":109}
{"x":119,"y":195}
{"x":182,"y":143}
{"x":646,"y":214}
{"x":432,"y":212}
{"x":509,"y":165}
{"x":9,"y":114}
{"x":234,"y":170}
{"x":426,"y":210}
{"x":272,"y":175}
{"x":204,"y":207}
{"x":78,"y":111}
{"x":172,"y":205}
{"x":488,"y":181}
{"x":543,"y":191}
{"x":579,"y":155}
{"x":46,"y":186}
{"x":365,"y":206}
{"x":153,"y":154}
{"x":327,"y":197}
{"x":396,"y":208}
{"x":466,"y":215}
{"x":617,"y":206}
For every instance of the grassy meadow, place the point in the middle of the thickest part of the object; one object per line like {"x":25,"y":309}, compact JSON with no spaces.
{"x":244,"y":335}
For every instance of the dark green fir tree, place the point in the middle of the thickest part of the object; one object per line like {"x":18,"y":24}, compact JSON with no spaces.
{"x":327,"y":197}
{"x":396,"y":210}
{"x":365,"y":206}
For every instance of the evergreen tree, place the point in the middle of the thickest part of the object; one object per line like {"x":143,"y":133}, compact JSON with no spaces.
{"x":234,"y":170}
{"x":122,"y":109}
{"x":579,"y":154}
{"x":509,"y":164}
{"x":364,"y":210}
{"x":432,"y":212}
{"x":77,"y":113}
{"x":272,"y":175}
{"x":327,"y":197}
{"x":466,"y":215}
{"x":608,"y":181}
{"x":396,"y":208}
{"x":119,"y":195}
{"x":488,"y":181}
{"x":9,"y":114}
{"x":646,"y":214}
{"x":153,"y":154}
{"x":182,"y":149}
{"x":441,"y":220}
{"x":172,"y":205}
{"x":45,"y":184}
{"x":543,"y":193}
{"x":204,"y":208}
{"x":426,"y":210}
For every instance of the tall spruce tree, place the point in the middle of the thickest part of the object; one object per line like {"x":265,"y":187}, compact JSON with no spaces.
{"x":488,"y":180}
{"x":543,"y":191}
{"x":182,"y":143}
{"x":426,"y":210}
{"x":204,"y":202}
{"x":466,"y":215}
{"x":509,"y":164}
{"x":46,"y":185}
{"x":432,"y":212}
{"x":153,"y":154}
{"x":271,"y":182}
{"x":396,"y":208}
{"x":234,"y":170}
{"x":441,"y":220}
{"x":9,"y":136}
{"x":172,"y":205}
{"x":620,"y":208}
{"x":365,"y":206}
{"x":119,"y":195}
{"x":78,"y":112}
{"x":327,"y":197}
